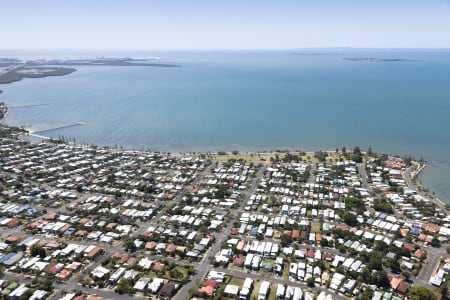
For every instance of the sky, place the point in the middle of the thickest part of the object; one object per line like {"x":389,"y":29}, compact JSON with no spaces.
{"x":223,"y":24}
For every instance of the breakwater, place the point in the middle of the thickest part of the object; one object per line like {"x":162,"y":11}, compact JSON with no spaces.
{"x":58,"y":127}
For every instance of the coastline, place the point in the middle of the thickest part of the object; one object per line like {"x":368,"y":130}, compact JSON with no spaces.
{"x":419,"y":167}
{"x":5,"y":110}
{"x":18,"y":74}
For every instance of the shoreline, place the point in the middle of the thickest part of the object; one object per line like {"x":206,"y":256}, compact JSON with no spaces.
{"x":4,"y":113}
{"x":414,"y":175}
{"x":418,"y":183}
{"x":20,"y":73}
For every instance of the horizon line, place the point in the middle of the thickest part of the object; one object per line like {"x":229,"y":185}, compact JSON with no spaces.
{"x":228,"y":49}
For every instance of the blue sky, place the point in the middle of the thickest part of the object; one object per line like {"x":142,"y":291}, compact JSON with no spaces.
{"x":224,"y":24}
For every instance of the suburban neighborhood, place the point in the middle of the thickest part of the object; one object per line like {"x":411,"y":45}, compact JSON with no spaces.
{"x":87,"y":222}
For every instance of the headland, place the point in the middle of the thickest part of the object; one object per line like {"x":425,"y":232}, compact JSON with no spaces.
{"x":12,"y":69}
{"x":375,"y":59}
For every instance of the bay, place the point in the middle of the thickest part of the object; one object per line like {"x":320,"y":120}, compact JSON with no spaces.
{"x":251,"y":101}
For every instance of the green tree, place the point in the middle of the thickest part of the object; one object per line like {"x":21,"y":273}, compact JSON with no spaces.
{"x":395,"y":266}
{"x":37,"y":250}
{"x":310,"y":282}
{"x":349,"y":218}
{"x":367,"y":294}
{"x":444,"y":289}
{"x":375,"y":263}
{"x":421,"y":293}
{"x":357,"y":156}
{"x":435,"y":242}
{"x":383,"y":206}
{"x":286,"y":240}
{"x":129,"y":245}
{"x":355,"y":204}
{"x":124,"y":286}
{"x":380,"y":279}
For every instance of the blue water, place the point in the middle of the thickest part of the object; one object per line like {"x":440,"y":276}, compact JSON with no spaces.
{"x":252,"y":100}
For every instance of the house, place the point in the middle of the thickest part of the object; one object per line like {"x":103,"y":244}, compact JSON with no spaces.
{"x":263,"y":290}
{"x":280,"y":292}
{"x":217,"y":276}
{"x":437,"y":279}
{"x":116,"y":275}
{"x":13,"y":223}
{"x":238,"y":261}
{"x":208,"y":290}
{"x":349,"y":285}
{"x":158,"y":267}
{"x":167,"y":290}
{"x":231,"y":289}
{"x":248,"y":260}
{"x":419,"y":253}
{"x":141,"y":284}
{"x":155,"y":285}
{"x":11,"y":258}
{"x":171,"y":248}
{"x":246,"y":289}
{"x":99,"y":272}
{"x":402,"y":288}
{"x":145,"y":263}
{"x":212,"y":283}
{"x":150,"y":245}
{"x":409,"y":246}
{"x":94,"y":253}
{"x":18,"y":292}
{"x":64,"y":274}
{"x":395,"y":281}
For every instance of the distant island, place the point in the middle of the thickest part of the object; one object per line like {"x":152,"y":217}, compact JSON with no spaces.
{"x":374,"y":59}
{"x":125,"y":61}
{"x":19,"y":73}
{"x":13,"y":69}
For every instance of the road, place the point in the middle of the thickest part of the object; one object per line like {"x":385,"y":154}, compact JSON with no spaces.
{"x":409,"y":182}
{"x":144,"y":225}
{"x":205,"y":266}
{"x":364,"y":177}
{"x":280,"y":281}
{"x":430,"y":265}
{"x":312,"y":171}
{"x":60,"y":287}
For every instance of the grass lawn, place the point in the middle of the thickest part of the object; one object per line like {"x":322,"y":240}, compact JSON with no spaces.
{"x":254,"y":158}
{"x":315,"y":227}
{"x":255,"y":291}
{"x":237,"y":281}
{"x":309,"y":158}
{"x":182,"y":270}
{"x":234,"y":267}
{"x":285,"y":275}
{"x":273,"y":291}
{"x":334,"y":157}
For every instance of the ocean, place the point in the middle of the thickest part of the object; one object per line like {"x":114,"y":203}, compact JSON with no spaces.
{"x":305,"y":99}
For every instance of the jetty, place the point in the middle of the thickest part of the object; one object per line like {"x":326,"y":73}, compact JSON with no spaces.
{"x":39,"y":136}
{"x":27,"y":105}
{"x":56,"y":128}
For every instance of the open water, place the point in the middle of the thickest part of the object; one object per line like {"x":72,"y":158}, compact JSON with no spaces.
{"x":251,"y":101}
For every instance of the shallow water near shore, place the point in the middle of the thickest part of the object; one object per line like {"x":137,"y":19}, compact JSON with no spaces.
{"x":251,"y":101}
